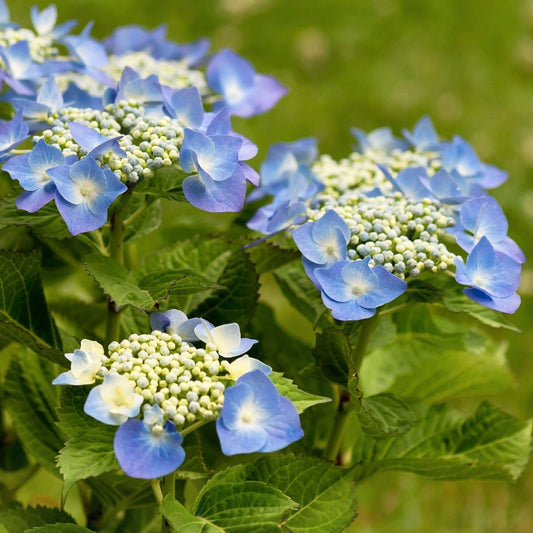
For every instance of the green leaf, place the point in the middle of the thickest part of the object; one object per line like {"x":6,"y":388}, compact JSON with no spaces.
{"x":324,"y":492}
{"x":184,"y":521}
{"x":45,"y":223}
{"x":243,"y":506}
{"x":30,"y":400}
{"x":181,"y":282}
{"x":301,"y":399}
{"x":460,"y":303}
{"x":24,"y":315}
{"x":269,"y":256}
{"x":383,"y":415}
{"x":122,"y":492}
{"x":16,"y":519}
{"x":213,"y":261}
{"x":113,"y":279}
{"x":490,"y":444}
{"x":236,"y":300}
{"x":434,"y":363}
{"x":165,"y":184}
{"x":89,"y":450}
{"x":194,"y":466}
{"x":300,"y":291}
{"x":59,"y":528}
{"x":205,"y":257}
{"x":333,"y":355}
{"x":143,"y":217}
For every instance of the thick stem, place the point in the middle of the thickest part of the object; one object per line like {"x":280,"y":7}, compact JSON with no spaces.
{"x":116,"y":252}
{"x":342,"y":417}
{"x":362,"y":341}
{"x":168,"y":487}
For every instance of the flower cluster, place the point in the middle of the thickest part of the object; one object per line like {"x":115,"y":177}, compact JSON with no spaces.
{"x":158,"y":387}
{"x":388,"y":212}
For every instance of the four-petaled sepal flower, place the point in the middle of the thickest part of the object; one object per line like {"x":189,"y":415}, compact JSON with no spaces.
{"x":256,"y":418}
{"x":85,"y":364}
{"x":148,"y":448}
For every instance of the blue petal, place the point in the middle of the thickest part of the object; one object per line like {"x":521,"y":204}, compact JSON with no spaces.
{"x":506,"y":305}
{"x":145,"y":454}
{"x":424,"y":136}
{"x":44,"y":21}
{"x":350,"y":310}
{"x":282,"y":429}
{"x":247,"y":440}
{"x":228,"y":72}
{"x":388,"y":289}
{"x":187,"y":107}
{"x":32,"y":201}
{"x":79,"y":218}
{"x":98,"y":409}
{"x":484,"y":217}
{"x":333,"y":283}
{"x":50,"y":95}
{"x":161,"y":321}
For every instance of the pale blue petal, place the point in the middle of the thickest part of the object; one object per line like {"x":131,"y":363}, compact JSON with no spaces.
{"x":332,"y":282}
{"x":145,"y":454}
{"x":505,"y":305}
{"x":389,"y":287}
{"x":349,"y":310}
{"x":98,"y":409}
{"x":282,"y":429}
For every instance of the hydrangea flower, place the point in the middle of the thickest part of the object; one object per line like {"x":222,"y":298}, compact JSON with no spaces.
{"x":323,"y":242}
{"x":44,"y":22}
{"x":483,"y":217}
{"x":31,"y":171}
{"x":114,"y":401}
{"x":84,"y":193}
{"x":379,"y":140}
{"x":20,"y":70}
{"x":148,"y":448}
{"x":219,"y":183}
{"x":225,"y":339}
{"x":85,"y":364}
{"x":493,"y":276}
{"x":244,"y":92}
{"x":256,"y":418}
{"x":424,"y":136}
{"x":176,"y":322}
{"x":353,"y":289}
{"x":12,"y":133}
{"x":245,"y":364}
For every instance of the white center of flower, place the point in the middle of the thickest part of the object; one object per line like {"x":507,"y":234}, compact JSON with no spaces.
{"x":88,"y":190}
{"x":359,"y":289}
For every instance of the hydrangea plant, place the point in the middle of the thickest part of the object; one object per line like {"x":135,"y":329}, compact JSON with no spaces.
{"x":154,"y":378}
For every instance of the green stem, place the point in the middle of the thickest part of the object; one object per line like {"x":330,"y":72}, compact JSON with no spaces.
{"x":336,"y":437}
{"x":168,"y":487}
{"x":362,"y":341}
{"x":116,"y":252}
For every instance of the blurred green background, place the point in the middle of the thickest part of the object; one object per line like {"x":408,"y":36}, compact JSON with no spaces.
{"x":369,"y":63}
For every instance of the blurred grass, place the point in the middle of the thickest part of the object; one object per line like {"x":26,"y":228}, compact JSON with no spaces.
{"x":469,"y":65}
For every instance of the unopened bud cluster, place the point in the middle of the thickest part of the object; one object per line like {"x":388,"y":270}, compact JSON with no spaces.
{"x":404,"y":236}
{"x":185,"y":381}
{"x":41,"y":46}
{"x":150,"y":143}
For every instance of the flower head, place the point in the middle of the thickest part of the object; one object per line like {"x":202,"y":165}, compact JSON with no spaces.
{"x":84,"y":193}
{"x":244,"y":92}
{"x":256,"y":418}
{"x":114,"y":401}
{"x":148,"y":448}
{"x":353,"y":289}
{"x":85,"y":364}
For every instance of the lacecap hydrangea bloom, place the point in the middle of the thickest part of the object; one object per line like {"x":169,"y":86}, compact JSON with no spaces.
{"x":390,"y":211}
{"x":158,"y":387}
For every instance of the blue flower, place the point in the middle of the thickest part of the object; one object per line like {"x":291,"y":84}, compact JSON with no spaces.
{"x":114,"y":401}
{"x":12,"y":133}
{"x":323,"y":242}
{"x":379,"y":140}
{"x":459,"y":157}
{"x":256,"y":418}
{"x":191,"y":54}
{"x":19,"y":67}
{"x":176,"y":322}
{"x":44,"y":22}
{"x":409,"y":181}
{"x":186,"y":106}
{"x":225,"y":339}
{"x":149,"y":448}
{"x":353,"y":289}
{"x":424,"y":137}
{"x":219,"y":183}
{"x":84,"y":192}
{"x":145,"y":91}
{"x":31,"y":171}
{"x":290,"y":203}
{"x":89,"y":52}
{"x":93,"y":142}
{"x":134,"y":38}
{"x":49,"y":100}
{"x":244,"y":92}
{"x":281,"y":163}
{"x":84,"y":366}
{"x":483,"y":217}
{"x":493,"y":276}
